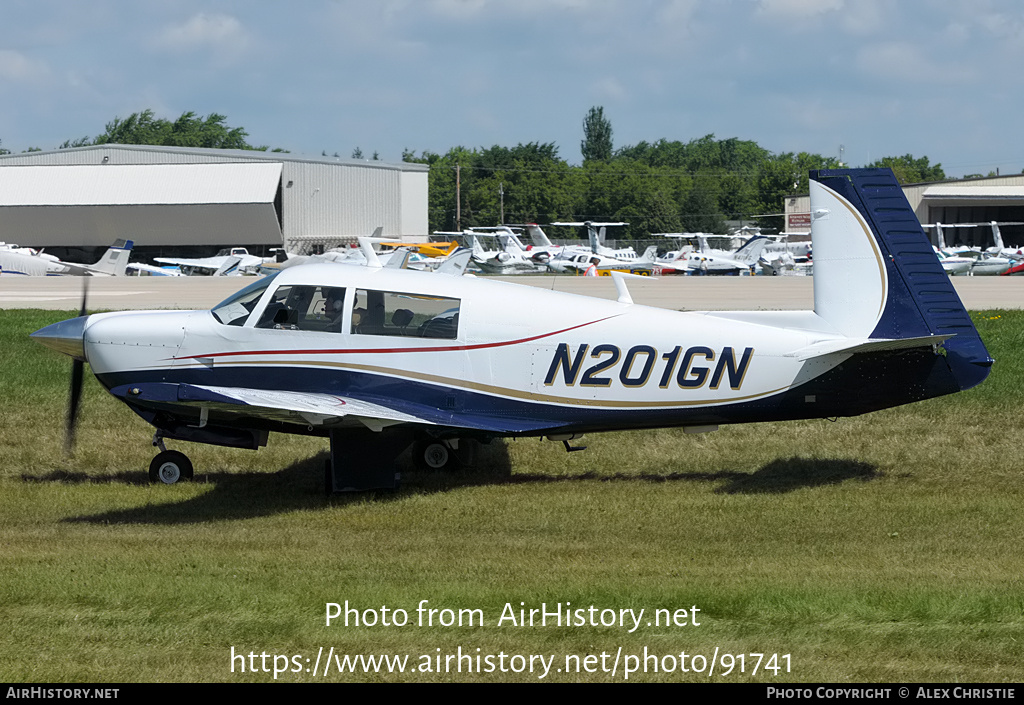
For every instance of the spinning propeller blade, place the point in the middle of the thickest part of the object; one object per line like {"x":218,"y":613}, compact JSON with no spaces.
{"x":75,"y":393}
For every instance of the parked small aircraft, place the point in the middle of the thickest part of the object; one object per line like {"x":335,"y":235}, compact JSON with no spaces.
{"x":22,"y":260}
{"x":541,"y":249}
{"x":569,"y":262}
{"x":380,"y":359}
{"x":708,"y":260}
{"x":993,"y":261}
{"x":229,"y":261}
{"x":438,"y":250}
{"x":596,"y":237}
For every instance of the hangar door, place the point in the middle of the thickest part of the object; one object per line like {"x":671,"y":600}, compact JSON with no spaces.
{"x":152,"y":204}
{"x":978,"y":205}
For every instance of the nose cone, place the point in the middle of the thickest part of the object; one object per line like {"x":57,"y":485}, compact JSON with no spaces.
{"x":66,"y":337}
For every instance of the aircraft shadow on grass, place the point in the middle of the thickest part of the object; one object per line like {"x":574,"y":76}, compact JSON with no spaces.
{"x":777,"y":477}
{"x":250,"y":495}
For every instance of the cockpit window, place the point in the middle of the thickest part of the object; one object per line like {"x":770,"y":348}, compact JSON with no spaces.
{"x":236,"y":308}
{"x":407,"y":315}
{"x":314,"y":308}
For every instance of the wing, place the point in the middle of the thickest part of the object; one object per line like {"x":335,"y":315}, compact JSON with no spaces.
{"x":211,"y":263}
{"x":289,"y":407}
{"x":314,"y":409}
{"x":155,"y":271}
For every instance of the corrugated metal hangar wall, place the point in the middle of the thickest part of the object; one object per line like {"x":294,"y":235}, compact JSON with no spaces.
{"x":970,"y":204}
{"x":168,"y":198}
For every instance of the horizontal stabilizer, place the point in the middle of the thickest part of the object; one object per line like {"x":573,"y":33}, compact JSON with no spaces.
{"x":851,"y":346}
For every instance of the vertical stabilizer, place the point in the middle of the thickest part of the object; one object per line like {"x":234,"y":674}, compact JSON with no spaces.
{"x":537,"y":236}
{"x":876,"y":275}
{"x":115,"y":259}
{"x":750,"y":252}
{"x":997,"y":237}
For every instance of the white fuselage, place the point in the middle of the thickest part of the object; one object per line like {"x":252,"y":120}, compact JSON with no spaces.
{"x":514,"y":342}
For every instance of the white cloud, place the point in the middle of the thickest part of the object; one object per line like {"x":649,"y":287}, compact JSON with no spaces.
{"x":866,"y":17}
{"x":1002,"y":25}
{"x":610,"y":88}
{"x":902,"y":61}
{"x":456,"y":9}
{"x":798,"y":9}
{"x":222,"y":33}
{"x":15,"y":66}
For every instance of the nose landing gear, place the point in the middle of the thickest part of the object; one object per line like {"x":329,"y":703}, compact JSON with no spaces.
{"x":169,"y":466}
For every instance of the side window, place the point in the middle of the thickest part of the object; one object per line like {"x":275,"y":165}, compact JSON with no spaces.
{"x":408,"y":315}
{"x":312,"y":308}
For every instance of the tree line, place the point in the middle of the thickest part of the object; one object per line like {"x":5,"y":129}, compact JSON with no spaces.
{"x":663,"y":186}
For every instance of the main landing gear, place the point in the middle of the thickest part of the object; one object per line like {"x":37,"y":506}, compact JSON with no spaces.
{"x":434,"y":455}
{"x":169,"y":466}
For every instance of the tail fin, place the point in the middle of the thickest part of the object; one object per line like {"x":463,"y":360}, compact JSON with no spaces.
{"x":115,"y":259}
{"x":228,"y":267}
{"x":997,"y":236}
{"x":399,"y":259}
{"x":475,"y":246}
{"x":875,"y":274}
{"x":595,"y":240}
{"x":456,"y":263}
{"x":510,"y":244}
{"x":750,"y":252}
{"x":537,"y":236}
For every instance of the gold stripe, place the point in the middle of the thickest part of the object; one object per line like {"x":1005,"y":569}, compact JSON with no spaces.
{"x":503,"y":391}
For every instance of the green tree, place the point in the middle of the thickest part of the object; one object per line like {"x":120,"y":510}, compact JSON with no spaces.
{"x":909,"y":170}
{"x":189,"y":130}
{"x":783,"y":175}
{"x":701,"y":211}
{"x":597,"y":136}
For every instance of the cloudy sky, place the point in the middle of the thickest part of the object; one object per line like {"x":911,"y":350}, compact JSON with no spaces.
{"x":935,"y":78}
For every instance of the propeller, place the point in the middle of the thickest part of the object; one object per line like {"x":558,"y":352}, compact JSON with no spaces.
{"x":75,"y":393}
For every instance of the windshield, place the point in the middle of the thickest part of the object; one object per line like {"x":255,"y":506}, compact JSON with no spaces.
{"x":236,"y":308}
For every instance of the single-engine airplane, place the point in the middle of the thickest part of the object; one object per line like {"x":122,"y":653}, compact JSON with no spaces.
{"x":380,"y":359}
{"x":24,"y":260}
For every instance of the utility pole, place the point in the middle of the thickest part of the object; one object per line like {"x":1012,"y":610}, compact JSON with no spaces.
{"x":501,"y":194}
{"x":458,"y":198}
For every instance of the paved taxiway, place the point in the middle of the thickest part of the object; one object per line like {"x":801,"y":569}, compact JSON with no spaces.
{"x":685,"y":293}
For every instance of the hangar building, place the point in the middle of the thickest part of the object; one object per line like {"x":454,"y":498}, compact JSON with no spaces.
{"x":192,"y":202}
{"x":978,"y":201}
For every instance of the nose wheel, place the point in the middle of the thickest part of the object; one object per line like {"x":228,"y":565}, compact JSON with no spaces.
{"x":169,"y":467}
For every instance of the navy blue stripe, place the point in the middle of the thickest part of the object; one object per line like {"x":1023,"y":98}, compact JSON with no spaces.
{"x":863,"y":383}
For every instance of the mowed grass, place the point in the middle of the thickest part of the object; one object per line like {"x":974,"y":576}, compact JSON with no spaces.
{"x":880,"y":548}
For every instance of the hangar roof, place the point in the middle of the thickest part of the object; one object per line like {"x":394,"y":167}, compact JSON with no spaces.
{"x":966,"y":191}
{"x":139,"y":184}
{"x":149,"y":153}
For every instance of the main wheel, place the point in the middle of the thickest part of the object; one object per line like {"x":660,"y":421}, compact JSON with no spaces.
{"x":434,"y":456}
{"x":169,"y":467}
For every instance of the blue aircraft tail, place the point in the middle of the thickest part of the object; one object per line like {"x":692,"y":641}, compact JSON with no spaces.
{"x":908,"y":295}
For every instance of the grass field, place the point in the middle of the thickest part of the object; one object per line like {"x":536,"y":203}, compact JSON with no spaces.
{"x":884,"y":548}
